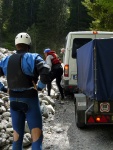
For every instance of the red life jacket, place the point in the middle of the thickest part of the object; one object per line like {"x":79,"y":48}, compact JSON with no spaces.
{"x":55,"y":59}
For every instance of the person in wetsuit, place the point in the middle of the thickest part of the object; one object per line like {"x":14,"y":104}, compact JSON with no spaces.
{"x":22,"y":70}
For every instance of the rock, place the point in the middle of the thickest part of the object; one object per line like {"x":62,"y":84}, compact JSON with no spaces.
{"x":27,"y":139}
{"x":6,"y":147}
{"x":45,"y":102}
{"x":59,"y":130}
{"x":6,"y":114}
{"x":6,"y":136}
{"x":5,"y":98}
{"x":9,"y":125}
{"x":27,"y":130}
{"x":10,"y":148}
{"x":1,"y":126}
{"x":51,"y":109}
{"x":11,"y":139}
{"x":3,"y":50}
{"x":40,"y":95}
{"x":44,"y":111}
{"x":1,"y":102}
{"x":2,"y":142}
{"x":2,"y":109}
{"x":9,"y":130}
{"x":50,"y":101}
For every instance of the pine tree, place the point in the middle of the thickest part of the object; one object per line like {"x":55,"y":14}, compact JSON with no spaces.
{"x":79,"y":19}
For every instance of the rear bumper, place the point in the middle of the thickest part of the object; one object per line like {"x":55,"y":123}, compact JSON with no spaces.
{"x":68,"y":89}
{"x":93,"y":114}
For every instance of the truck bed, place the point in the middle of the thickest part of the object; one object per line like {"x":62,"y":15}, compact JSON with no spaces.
{"x":95,"y":69}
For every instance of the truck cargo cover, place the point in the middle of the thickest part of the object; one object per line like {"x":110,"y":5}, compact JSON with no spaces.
{"x":95,"y":69}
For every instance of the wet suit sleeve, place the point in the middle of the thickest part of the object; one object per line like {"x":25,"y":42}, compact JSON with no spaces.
{"x":43,"y":69}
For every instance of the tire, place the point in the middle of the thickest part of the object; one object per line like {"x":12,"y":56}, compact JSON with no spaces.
{"x":80,"y":123}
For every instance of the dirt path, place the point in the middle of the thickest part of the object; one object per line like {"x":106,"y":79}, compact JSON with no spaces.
{"x":64,"y":135}
{"x":58,"y":136}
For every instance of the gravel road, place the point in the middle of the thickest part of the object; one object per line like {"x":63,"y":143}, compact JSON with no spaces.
{"x":64,"y":135}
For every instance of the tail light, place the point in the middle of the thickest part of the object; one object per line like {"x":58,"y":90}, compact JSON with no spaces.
{"x":102,"y":119}
{"x":91,"y":120}
{"x":66,"y":70}
{"x":99,"y":119}
{"x":95,"y":32}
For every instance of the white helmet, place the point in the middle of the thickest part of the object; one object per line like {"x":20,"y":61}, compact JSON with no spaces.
{"x":23,"y":38}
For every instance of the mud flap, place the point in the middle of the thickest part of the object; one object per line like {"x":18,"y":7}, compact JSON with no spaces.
{"x":80,"y":107}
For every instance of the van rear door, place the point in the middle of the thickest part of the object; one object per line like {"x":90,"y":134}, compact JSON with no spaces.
{"x":77,"y":42}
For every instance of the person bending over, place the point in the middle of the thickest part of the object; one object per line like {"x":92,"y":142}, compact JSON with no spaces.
{"x":54,"y":62}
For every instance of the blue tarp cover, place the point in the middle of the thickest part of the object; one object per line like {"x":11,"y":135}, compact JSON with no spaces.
{"x":85,"y":70}
{"x":96,"y":83}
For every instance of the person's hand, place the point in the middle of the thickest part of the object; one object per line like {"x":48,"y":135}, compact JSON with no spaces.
{"x":41,"y":86}
{"x":62,"y":50}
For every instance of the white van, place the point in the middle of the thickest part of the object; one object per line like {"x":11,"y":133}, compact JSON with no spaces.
{"x":74,"y":40}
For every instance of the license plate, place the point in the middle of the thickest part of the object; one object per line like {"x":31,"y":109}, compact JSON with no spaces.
{"x":104,"y":107}
{"x":74,"y":77}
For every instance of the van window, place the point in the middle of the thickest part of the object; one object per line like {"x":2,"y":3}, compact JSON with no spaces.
{"x":77,"y":43}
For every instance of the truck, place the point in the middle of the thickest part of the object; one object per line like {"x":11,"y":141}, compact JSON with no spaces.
{"x":94,"y":100}
{"x":75,"y":40}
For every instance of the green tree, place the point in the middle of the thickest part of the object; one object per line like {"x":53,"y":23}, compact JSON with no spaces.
{"x":79,"y":19}
{"x":102,"y":13}
{"x":0,"y":22}
{"x":18,"y":17}
{"x":51,"y":23}
{"x":6,"y":12}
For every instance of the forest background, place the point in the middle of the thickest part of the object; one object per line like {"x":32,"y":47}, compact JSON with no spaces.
{"x":49,"y":21}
